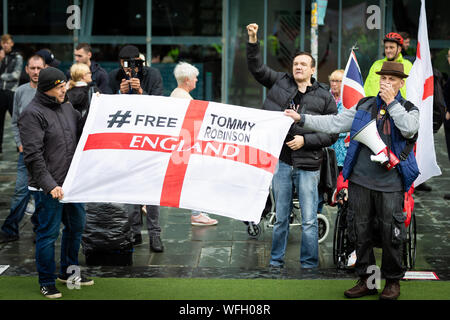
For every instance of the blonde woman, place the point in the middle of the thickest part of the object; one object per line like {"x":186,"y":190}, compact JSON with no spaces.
{"x":80,"y":87}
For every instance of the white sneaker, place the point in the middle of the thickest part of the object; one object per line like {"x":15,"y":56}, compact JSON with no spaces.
{"x":351,"y":259}
{"x":203,"y":220}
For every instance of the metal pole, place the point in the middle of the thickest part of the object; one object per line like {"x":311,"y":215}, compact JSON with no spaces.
{"x":5,"y":16}
{"x":382,"y":30}
{"x":302,"y":25}
{"x":148,"y":39}
{"x":225,"y":30}
{"x":76,"y":32}
{"x":340,"y":36}
{"x":265,"y":43}
{"x":314,"y":35}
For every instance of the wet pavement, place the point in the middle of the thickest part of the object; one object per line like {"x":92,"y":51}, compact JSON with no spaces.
{"x":226,"y":250}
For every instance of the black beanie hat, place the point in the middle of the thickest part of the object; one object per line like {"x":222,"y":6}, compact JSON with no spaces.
{"x":49,"y":78}
{"x":129,"y":52}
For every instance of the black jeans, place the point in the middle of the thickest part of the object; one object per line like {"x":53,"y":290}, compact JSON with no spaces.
{"x":6,"y":104}
{"x":378,"y":221}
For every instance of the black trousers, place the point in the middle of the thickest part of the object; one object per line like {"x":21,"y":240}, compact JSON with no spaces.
{"x":6,"y":104}
{"x":378,"y":221}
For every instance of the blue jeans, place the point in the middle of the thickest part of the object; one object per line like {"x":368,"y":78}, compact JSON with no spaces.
{"x":306,"y":183}
{"x":19,"y":200}
{"x":50,"y":213}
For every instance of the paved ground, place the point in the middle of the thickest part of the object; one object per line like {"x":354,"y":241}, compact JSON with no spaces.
{"x":226,"y":250}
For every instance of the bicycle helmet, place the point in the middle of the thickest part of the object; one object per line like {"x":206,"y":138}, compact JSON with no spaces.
{"x":394,"y":37}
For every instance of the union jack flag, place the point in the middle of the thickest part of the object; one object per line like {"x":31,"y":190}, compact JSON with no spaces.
{"x":352,"y":89}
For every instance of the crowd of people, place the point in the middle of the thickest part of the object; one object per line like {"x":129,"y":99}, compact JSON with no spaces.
{"x":48,"y":114}
{"x":50,"y":108}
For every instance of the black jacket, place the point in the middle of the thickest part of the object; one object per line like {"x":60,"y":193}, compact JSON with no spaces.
{"x":49,"y":132}
{"x":100,"y":78}
{"x":316,"y":100}
{"x":151,"y":80}
{"x":80,"y":97}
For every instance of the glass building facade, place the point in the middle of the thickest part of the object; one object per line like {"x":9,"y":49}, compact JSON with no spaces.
{"x":211,"y":34}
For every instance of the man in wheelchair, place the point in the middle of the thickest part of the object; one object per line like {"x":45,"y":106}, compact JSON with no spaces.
{"x":386,"y":125}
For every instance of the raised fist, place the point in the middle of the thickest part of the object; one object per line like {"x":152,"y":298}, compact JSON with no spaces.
{"x":252,"y":30}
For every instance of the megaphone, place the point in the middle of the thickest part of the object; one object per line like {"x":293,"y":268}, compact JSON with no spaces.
{"x":369,"y":136}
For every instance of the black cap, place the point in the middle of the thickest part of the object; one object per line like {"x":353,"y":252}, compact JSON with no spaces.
{"x":129,"y":52}
{"x":49,"y":58}
{"x":49,"y":78}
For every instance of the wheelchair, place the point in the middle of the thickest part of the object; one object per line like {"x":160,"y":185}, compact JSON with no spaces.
{"x":342,"y":246}
{"x":269,"y":218}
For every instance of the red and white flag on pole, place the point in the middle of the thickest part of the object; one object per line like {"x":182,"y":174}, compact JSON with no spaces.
{"x":180,"y":153}
{"x":419,"y":90}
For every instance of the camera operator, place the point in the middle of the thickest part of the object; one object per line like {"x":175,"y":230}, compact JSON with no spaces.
{"x":133,"y":77}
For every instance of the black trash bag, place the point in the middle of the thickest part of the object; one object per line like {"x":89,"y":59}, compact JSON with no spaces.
{"x":328,"y":175}
{"x":107,"y":228}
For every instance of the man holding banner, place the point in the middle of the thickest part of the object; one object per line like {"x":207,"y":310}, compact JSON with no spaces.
{"x":376,"y":187}
{"x":301,"y":155}
{"x":49,"y":130}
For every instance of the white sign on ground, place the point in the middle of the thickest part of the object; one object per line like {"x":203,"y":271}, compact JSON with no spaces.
{"x":420,"y":275}
{"x":3,"y":268}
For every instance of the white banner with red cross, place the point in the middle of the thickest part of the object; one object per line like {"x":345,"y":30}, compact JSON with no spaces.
{"x":191,"y":154}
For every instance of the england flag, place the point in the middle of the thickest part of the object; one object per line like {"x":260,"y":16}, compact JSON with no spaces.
{"x":180,"y":153}
{"x":419,"y":90}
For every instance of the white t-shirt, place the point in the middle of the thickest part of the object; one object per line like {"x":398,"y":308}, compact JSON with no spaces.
{"x":180,"y":93}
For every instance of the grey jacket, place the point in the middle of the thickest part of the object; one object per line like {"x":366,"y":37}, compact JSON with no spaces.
{"x":22,"y":98}
{"x":406,"y":122}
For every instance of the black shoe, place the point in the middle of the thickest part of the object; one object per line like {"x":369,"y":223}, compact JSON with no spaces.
{"x":81,"y":280}
{"x":423,"y":187}
{"x":447,"y":196}
{"x":50,"y":292}
{"x":156,"y":244}
{"x":4,"y":238}
{"x":137,"y":239}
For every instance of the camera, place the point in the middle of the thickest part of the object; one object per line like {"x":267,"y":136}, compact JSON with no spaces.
{"x":133,"y":63}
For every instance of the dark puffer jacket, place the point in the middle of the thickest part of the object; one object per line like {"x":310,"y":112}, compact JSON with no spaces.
{"x":49,"y":132}
{"x":316,"y":100}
